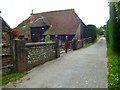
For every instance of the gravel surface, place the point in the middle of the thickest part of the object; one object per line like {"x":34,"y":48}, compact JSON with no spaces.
{"x":83,"y":68}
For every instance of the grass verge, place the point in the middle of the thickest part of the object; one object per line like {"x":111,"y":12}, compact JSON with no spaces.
{"x":11,"y":77}
{"x":89,"y":44}
{"x":113,"y":69}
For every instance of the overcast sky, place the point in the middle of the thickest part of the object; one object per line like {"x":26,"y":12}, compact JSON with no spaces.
{"x":90,"y":11}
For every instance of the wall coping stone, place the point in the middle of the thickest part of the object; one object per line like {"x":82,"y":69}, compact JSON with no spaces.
{"x":38,"y":44}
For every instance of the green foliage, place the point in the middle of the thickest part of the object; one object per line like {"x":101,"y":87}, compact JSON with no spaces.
{"x":47,"y":38}
{"x":113,"y":45}
{"x":107,"y":31}
{"x":11,"y":77}
{"x":114,"y":69}
{"x":117,"y":6}
{"x":100,"y":31}
{"x":91,"y":31}
{"x":113,"y":29}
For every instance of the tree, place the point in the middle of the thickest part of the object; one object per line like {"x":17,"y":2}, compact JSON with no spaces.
{"x":14,"y":34}
{"x":100,"y":31}
{"x":91,"y":31}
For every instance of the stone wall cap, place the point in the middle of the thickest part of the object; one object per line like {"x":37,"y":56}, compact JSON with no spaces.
{"x":38,"y":43}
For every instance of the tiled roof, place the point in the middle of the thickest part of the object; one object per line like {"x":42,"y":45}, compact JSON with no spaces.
{"x":62,"y":22}
{"x":40,"y":21}
{"x":5,"y":26}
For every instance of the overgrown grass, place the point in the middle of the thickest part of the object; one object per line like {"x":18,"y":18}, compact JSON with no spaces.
{"x":113,"y":69}
{"x":11,"y":77}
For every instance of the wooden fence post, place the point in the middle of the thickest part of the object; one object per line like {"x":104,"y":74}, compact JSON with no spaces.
{"x":19,"y":55}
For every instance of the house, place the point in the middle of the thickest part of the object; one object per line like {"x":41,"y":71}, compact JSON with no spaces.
{"x":5,"y":29}
{"x":63,"y":23}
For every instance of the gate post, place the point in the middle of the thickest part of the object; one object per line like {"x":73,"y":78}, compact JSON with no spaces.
{"x":57,"y":48}
{"x":19,"y":55}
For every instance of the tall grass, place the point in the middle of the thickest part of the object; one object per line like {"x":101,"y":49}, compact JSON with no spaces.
{"x":11,"y":77}
{"x":113,"y":69}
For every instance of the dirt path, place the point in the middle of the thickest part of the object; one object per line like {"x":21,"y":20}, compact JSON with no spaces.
{"x":84,"y":68}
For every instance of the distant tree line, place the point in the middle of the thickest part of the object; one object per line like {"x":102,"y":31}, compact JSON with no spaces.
{"x":91,"y":31}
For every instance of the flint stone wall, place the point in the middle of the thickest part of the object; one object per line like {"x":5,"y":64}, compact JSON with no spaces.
{"x":39,"y":53}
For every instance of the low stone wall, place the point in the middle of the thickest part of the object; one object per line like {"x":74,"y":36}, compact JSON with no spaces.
{"x":86,"y":41}
{"x":39,"y":53}
{"x":79,"y":44}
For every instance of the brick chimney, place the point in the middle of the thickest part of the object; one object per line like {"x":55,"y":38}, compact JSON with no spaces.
{"x":31,"y":17}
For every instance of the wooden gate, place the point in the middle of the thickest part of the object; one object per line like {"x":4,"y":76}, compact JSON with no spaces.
{"x":69,"y":47}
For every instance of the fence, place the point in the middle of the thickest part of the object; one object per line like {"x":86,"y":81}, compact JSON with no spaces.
{"x":69,"y":47}
{"x":7,"y":64}
{"x":75,"y":45}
